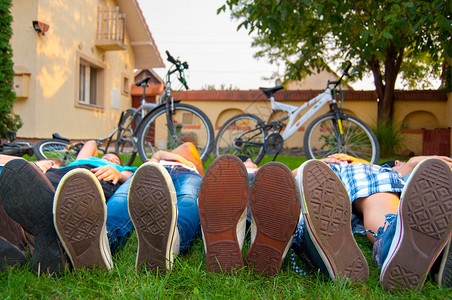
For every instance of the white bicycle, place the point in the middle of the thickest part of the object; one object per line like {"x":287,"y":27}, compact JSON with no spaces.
{"x":333,"y":132}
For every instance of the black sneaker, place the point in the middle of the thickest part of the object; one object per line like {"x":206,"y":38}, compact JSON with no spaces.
{"x":27,"y":196}
{"x":275,"y":210}
{"x":442,"y":268}
{"x":80,"y":213}
{"x":10,"y":255}
{"x":328,"y":240}
{"x":153,"y":210}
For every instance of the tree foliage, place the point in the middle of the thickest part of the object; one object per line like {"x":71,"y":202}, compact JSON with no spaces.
{"x":8,"y":121}
{"x":387,"y":38}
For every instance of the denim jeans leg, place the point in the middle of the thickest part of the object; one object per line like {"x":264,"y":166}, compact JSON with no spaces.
{"x":119,"y":225}
{"x":187,"y":190}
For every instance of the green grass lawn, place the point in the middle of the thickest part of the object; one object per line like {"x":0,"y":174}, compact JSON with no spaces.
{"x":189,"y":279}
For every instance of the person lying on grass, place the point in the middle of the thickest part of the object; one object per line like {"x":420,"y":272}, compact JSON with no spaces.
{"x":399,"y":215}
{"x":161,"y":198}
{"x":324,"y":237}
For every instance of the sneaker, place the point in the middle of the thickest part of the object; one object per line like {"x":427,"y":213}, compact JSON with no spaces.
{"x":153,"y":210}
{"x":10,"y":255}
{"x":423,"y":227}
{"x":79,"y":214}
{"x":223,"y":197}
{"x":11,"y":231}
{"x":442,"y":268}
{"x":275,"y":210}
{"x":328,"y":240}
{"x":27,"y":197}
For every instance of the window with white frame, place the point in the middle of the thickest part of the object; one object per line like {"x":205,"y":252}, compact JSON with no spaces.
{"x":125,"y":85}
{"x":88,"y":84}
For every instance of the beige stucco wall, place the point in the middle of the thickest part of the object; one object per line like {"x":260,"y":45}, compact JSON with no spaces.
{"x":220,"y":111}
{"x":53,"y":61}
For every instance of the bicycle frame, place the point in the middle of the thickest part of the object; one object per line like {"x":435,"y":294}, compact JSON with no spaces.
{"x":109,"y":137}
{"x":165,"y":100}
{"x":293,"y":111}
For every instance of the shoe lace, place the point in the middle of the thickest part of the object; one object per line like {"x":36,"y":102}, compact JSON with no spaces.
{"x":293,"y":262}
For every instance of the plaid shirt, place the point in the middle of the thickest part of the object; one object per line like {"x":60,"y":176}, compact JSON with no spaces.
{"x":362,"y":180}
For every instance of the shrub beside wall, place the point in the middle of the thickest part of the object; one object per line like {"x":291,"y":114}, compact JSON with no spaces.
{"x":8,"y":121}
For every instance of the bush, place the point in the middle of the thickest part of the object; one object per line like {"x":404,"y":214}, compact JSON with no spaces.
{"x":8,"y":121}
{"x":389,"y":138}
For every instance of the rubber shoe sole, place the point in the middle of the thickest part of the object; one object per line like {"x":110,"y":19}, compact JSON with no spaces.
{"x":27,"y":197}
{"x":424,"y":225}
{"x":80,"y":213}
{"x":153,"y":210}
{"x":327,"y":214}
{"x":223,"y":197}
{"x":275,"y":210}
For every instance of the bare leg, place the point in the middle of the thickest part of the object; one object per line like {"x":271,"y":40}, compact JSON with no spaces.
{"x":189,"y":152}
{"x":374,"y":208}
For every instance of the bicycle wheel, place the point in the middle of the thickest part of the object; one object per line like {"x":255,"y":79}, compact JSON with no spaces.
{"x":241,"y":135}
{"x":190,"y":124}
{"x":321,"y":138}
{"x":124,"y":144}
{"x":54,"y":148}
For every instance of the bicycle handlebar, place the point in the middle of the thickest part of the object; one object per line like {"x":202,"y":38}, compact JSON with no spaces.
{"x":180,"y":67}
{"x":170,"y":58}
{"x":345,"y":73}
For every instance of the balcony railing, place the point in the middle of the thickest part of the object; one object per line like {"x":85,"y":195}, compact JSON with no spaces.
{"x":110,"y":28}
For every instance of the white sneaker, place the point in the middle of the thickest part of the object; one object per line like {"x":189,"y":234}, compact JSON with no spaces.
{"x":80,"y":214}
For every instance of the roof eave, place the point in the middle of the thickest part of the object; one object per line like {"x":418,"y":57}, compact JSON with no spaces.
{"x":146,"y":53}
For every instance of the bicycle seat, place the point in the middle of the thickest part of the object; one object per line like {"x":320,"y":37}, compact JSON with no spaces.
{"x":59,"y":137}
{"x":10,"y":136}
{"x":270,"y":91}
{"x":143,"y":82}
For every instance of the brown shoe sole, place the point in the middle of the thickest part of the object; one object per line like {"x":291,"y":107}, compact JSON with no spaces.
{"x":327,"y":212}
{"x":275,"y":207}
{"x":223,"y":197}
{"x":80,"y":214}
{"x":153,"y":210}
{"x":424,"y":225}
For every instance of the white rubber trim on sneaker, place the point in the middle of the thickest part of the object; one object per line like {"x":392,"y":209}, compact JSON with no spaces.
{"x":241,"y":229}
{"x":173,"y":197}
{"x":105,"y":252}
{"x":400,"y":231}
{"x":308,"y":227}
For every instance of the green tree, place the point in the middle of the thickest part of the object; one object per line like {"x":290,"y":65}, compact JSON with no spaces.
{"x":384,"y":37}
{"x":8,"y":121}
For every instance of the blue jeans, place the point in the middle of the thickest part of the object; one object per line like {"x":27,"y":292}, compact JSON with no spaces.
{"x":119,"y":224}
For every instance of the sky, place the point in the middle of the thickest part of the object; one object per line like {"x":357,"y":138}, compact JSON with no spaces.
{"x":216,"y":52}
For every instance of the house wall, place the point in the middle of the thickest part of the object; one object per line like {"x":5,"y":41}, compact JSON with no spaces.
{"x":314,"y":81}
{"x":53,"y":61}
